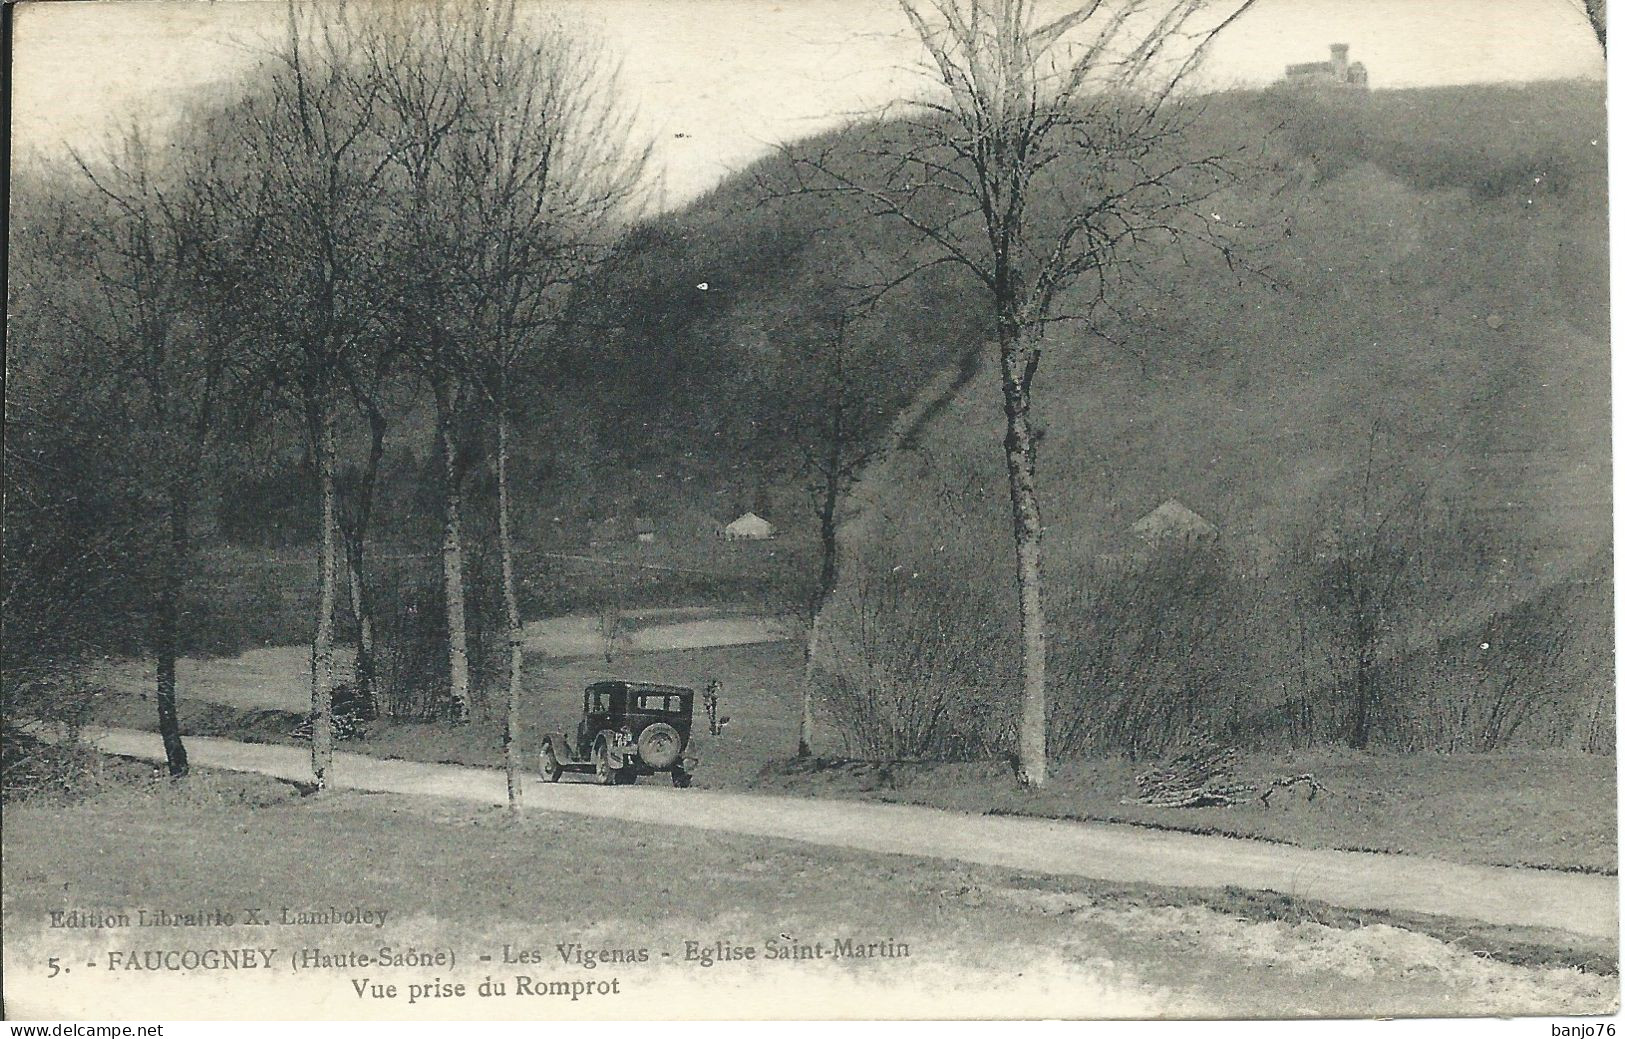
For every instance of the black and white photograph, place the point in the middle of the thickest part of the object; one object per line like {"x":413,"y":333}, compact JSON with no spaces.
{"x":784,"y":510}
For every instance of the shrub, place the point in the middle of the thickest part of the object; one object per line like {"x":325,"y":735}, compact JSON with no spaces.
{"x":33,"y":768}
{"x":409,"y":624}
{"x":913,"y":670}
{"x":1147,"y":648}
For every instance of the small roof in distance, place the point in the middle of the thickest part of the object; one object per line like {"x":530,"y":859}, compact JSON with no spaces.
{"x":1173,"y":519}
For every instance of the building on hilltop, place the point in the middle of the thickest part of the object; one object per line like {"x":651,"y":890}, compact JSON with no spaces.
{"x":1335,"y":73}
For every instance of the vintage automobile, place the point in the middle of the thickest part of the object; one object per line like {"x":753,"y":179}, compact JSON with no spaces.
{"x":627,"y":730}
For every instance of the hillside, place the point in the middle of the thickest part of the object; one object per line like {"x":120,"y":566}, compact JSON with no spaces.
{"x":1438,"y":266}
{"x":1430,"y":310}
{"x":1467,"y":330}
{"x":1422,"y":338}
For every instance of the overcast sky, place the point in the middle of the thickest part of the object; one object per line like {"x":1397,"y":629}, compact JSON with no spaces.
{"x":734,"y":77}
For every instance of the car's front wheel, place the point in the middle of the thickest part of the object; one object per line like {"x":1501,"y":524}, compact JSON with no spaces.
{"x":551,"y":769}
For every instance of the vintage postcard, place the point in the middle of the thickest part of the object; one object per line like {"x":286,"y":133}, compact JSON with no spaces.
{"x":696,"y":509}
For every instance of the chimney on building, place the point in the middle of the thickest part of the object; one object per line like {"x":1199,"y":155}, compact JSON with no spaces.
{"x":1340,"y":61}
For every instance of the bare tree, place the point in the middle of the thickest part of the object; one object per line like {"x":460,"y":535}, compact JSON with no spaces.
{"x":1371,"y":557}
{"x":522,"y":167}
{"x":77,"y":540}
{"x":559,"y":171}
{"x":311,"y":163}
{"x":1049,"y":152}
{"x":834,"y":411}
{"x":426,"y":95}
{"x":369,"y":392}
{"x":171,"y":343}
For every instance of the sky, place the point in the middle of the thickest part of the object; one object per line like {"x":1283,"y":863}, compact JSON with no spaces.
{"x":718,"y":83}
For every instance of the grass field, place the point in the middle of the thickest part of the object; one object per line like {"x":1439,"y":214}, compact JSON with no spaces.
{"x":1545,"y":809}
{"x":980,"y":940}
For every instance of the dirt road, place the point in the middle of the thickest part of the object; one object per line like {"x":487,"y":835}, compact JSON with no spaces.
{"x":1578,"y":903}
{"x":278,"y":677}
{"x":581,"y":636}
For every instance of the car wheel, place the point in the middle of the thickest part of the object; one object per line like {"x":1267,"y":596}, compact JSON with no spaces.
{"x":600,"y":764}
{"x":626,"y":777}
{"x":551,"y":769}
{"x":660,"y":746}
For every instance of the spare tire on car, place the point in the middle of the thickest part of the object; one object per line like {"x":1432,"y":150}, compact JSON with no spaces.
{"x":659,"y":745}
{"x":627,"y":730}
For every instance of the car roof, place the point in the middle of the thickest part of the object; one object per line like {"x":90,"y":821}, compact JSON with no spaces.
{"x":642,"y":687}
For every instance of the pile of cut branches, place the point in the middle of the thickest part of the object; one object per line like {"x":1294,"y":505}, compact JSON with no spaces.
{"x":1306,"y":781}
{"x":1200,"y":774}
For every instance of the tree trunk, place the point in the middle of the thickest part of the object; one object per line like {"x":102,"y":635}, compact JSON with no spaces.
{"x":169,"y":608}
{"x":1364,"y":701}
{"x":1017,"y":362}
{"x":1366,"y":633}
{"x":355,"y":540}
{"x":510,"y":601}
{"x":826,"y":587}
{"x":826,"y":534}
{"x":321,"y":657}
{"x":361,"y":606}
{"x":805,"y":737}
{"x":451,"y":556}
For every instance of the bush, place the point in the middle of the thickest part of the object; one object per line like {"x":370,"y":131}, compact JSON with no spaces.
{"x":409,"y":632}
{"x":1539,"y":674}
{"x":1148,"y":646}
{"x":67,"y":771}
{"x":912,"y":670}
